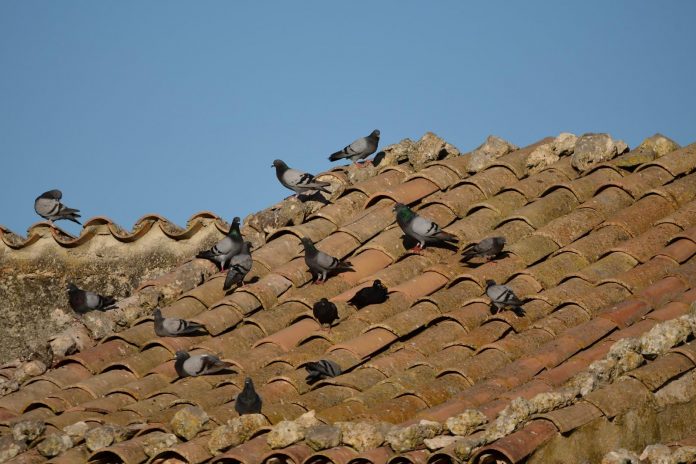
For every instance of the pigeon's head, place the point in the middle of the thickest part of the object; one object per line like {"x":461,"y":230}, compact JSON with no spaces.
{"x":378,"y":284}
{"x":307,"y":244}
{"x":72,"y":287}
{"x":181,"y":355}
{"x":500,"y":240}
{"x":247,"y":246}
{"x":324,"y":301}
{"x":489,"y":283}
{"x":157,"y":313}
{"x":236,"y":220}
{"x":375,"y":133}
{"x":279,"y":164}
{"x":248,"y":383}
{"x":398,"y":206}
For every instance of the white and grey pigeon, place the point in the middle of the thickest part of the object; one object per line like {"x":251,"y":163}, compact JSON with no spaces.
{"x":240,"y":265}
{"x":503,"y":297}
{"x":297,"y":181}
{"x":421,"y":229}
{"x":320,"y":264}
{"x":488,"y":248}
{"x":200,"y":364}
{"x":359,"y":149}
{"x":83,"y":301}
{"x":230,"y":245}
{"x":172,"y":327}
{"x":48,"y":206}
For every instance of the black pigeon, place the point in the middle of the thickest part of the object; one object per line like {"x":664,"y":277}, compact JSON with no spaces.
{"x":248,"y":401}
{"x":48,"y":206}
{"x":420,"y":229}
{"x":321,"y":370}
{"x":230,"y":245}
{"x":83,"y":301}
{"x":320,"y":264}
{"x":297,"y":181}
{"x":375,"y":294}
{"x":240,"y":265}
{"x":488,"y":248}
{"x":325,"y":312}
{"x":200,"y":364}
{"x":503,"y":297}
{"x":359,"y":149}
{"x":172,"y":327}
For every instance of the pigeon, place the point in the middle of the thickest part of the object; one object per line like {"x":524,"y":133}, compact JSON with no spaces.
{"x":359,"y":149}
{"x":200,"y":364}
{"x":375,"y":294}
{"x":171,"y":327}
{"x":240,"y":265}
{"x":321,"y":370}
{"x":325,"y":312}
{"x":83,"y":301}
{"x":248,"y":401}
{"x":48,"y":206}
{"x":222,"y":252}
{"x":488,"y":248}
{"x":297,"y":181}
{"x":421,"y":229}
{"x":502,"y":296}
{"x":320,"y":264}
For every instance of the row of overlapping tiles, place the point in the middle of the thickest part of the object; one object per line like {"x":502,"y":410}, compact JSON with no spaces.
{"x":526,"y":219}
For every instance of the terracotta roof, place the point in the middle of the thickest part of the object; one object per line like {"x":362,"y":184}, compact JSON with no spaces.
{"x":603,"y":255}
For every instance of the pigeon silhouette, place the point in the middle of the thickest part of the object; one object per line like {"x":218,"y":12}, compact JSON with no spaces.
{"x":298,"y":181}
{"x":359,"y":149}
{"x":240,"y":265}
{"x":48,"y":206}
{"x":321,"y":370}
{"x":248,"y":401}
{"x":83,"y":301}
{"x":230,"y":245}
{"x":421,"y":229}
{"x":488,"y":248}
{"x":503,"y":297}
{"x":172,"y":327}
{"x":375,"y":294}
{"x":325,"y":312}
{"x":200,"y":364}
{"x":321,"y":264}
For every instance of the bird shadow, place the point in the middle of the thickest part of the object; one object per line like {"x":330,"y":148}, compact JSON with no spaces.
{"x":475,"y":264}
{"x":378,"y":158}
{"x":316,"y":196}
{"x":409,"y":243}
{"x":231,"y":290}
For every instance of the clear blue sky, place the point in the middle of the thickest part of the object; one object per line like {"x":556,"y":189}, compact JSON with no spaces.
{"x":177,"y":107}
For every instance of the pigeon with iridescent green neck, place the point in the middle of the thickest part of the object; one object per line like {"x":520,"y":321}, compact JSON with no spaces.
{"x":423,"y":230}
{"x":230,"y":245}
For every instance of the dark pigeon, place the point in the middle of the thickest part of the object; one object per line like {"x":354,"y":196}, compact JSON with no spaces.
{"x":420,"y":229}
{"x":488,"y":248}
{"x":83,"y":301}
{"x":359,"y":149}
{"x":48,"y":206}
{"x":325,"y":312}
{"x":321,"y":370}
{"x":298,"y":181}
{"x":230,"y":245}
{"x":321,"y":264}
{"x":240,"y":265}
{"x":200,"y":364}
{"x":375,"y":294}
{"x":503,"y":297}
{"x":172,"y":327}
{"x":248,"y":401}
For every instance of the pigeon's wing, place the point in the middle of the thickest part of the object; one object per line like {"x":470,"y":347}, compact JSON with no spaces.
{"x":224,"y":246}
{"x":485,"y":246}
{"x":173,"y":326}
{"x":331,"y":368}
{"x":496,"y":292}
{"x":509,"y":296}
{"x":92,"y":300}
{"x":194,"y":365}
{"x":297,"y":178}
{"x":424,"y":227}
{"x":325,"y":261}
{"x":358,"y":147}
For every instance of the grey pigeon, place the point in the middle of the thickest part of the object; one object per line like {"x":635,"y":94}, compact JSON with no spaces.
{"x":359,"y":149}
{"x":172,"y":327}
{"x":321,"y":264}
{"x":321,"y":370}
{"x":374,"y":294}
{"x":503,"y":297}
{"x":222,"y":252}
{"x":248,"y":401}
{"x":420,"y":229}
{"x":297,"y":181}
{"x":240,"y":265}
{"x":200,"y":364}
{"x":48,"y":206}
{"x":83,"y":301}
{"x":325,"y":312}
{"x":488,"y":248}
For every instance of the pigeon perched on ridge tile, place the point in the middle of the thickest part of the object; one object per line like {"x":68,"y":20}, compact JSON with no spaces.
{"x":240,"y":265}
{"x":83,"y":301}
{"x":488,"y":248}
{"x":359,"y":149}
{"x":297,"y":181}
{"x":321,"y":370}
{"x":421,"y":229}
{"x":248,"y":401}
{"x":503,"y":297}
{"x":325,"y":312}
{"x":321,"y":264}
{"x":48,"y":206}
{"x":374,"y":294}
{"x":200,"y":364}
{"x":172,"y":327}
{"x":230,"y":245}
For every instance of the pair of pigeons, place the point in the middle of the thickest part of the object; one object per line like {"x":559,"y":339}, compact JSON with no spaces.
{"x":232,"y":253}
{"x":301,"y":182}
{"x":326,"y":312}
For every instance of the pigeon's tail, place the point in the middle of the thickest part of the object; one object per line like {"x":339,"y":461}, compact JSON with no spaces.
{"x":344,"y":266}
{"x":316,"y":185}
{"x":233,"y":278}
{"x":192,"y":327}
{"x":107,"y":302}
{"x":469,"y":252}
{"x":70,"y":214}
{"x":338,"y":156}
{"x":446,"y":237}
{"x":207,"y":254}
